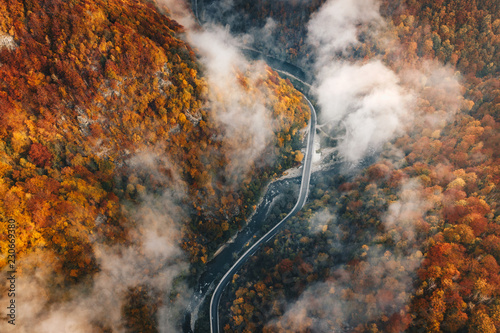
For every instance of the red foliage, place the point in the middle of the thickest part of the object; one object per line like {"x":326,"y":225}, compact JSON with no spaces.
{"x":286,"y":265}
{"x":398,"y":323}
{"x":491,"y":244}
{"x":378,"y":171}
{"x":441,"y":255}
{"x":346,"y":187}
{"x":40,"y":155}
{"x":385,"y":298}
{"x":477,"y":222}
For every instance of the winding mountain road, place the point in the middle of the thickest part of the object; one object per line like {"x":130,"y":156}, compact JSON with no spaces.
{"x":299,"y":77}
{"x":304,"y":190}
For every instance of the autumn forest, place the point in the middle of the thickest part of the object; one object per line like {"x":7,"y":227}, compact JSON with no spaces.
{"x":136,"y":141}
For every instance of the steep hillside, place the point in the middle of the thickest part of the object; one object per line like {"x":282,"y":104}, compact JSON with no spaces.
{"x":103,"y":110}
{"x":411,"y":244}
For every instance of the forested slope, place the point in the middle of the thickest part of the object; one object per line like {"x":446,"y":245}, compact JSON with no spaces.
{"x":103,"y":108}
{"x":411,"y":244}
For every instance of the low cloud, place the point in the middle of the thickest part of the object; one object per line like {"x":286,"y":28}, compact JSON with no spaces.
{"x":438,"y":90}
{"x":7,"y":41}
{"x":402,"y":215}
{"x":366,"y":97}
{"x":320,"y":220}
{"x":370,"y":99}
{"x":239,"y":104}
{"x":241,"y":109}
{"x":179,"y":11}
{"x":335,"y":27}
{"x":378,"y":286}
{"x":152,"y":259}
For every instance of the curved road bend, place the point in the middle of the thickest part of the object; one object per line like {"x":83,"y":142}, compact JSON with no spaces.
{"x":284,"y":68}
{"x":304,"y":189}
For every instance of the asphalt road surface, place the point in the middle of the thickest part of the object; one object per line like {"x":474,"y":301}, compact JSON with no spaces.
{"x":298,"y":77}
{"x":304,"y":190}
